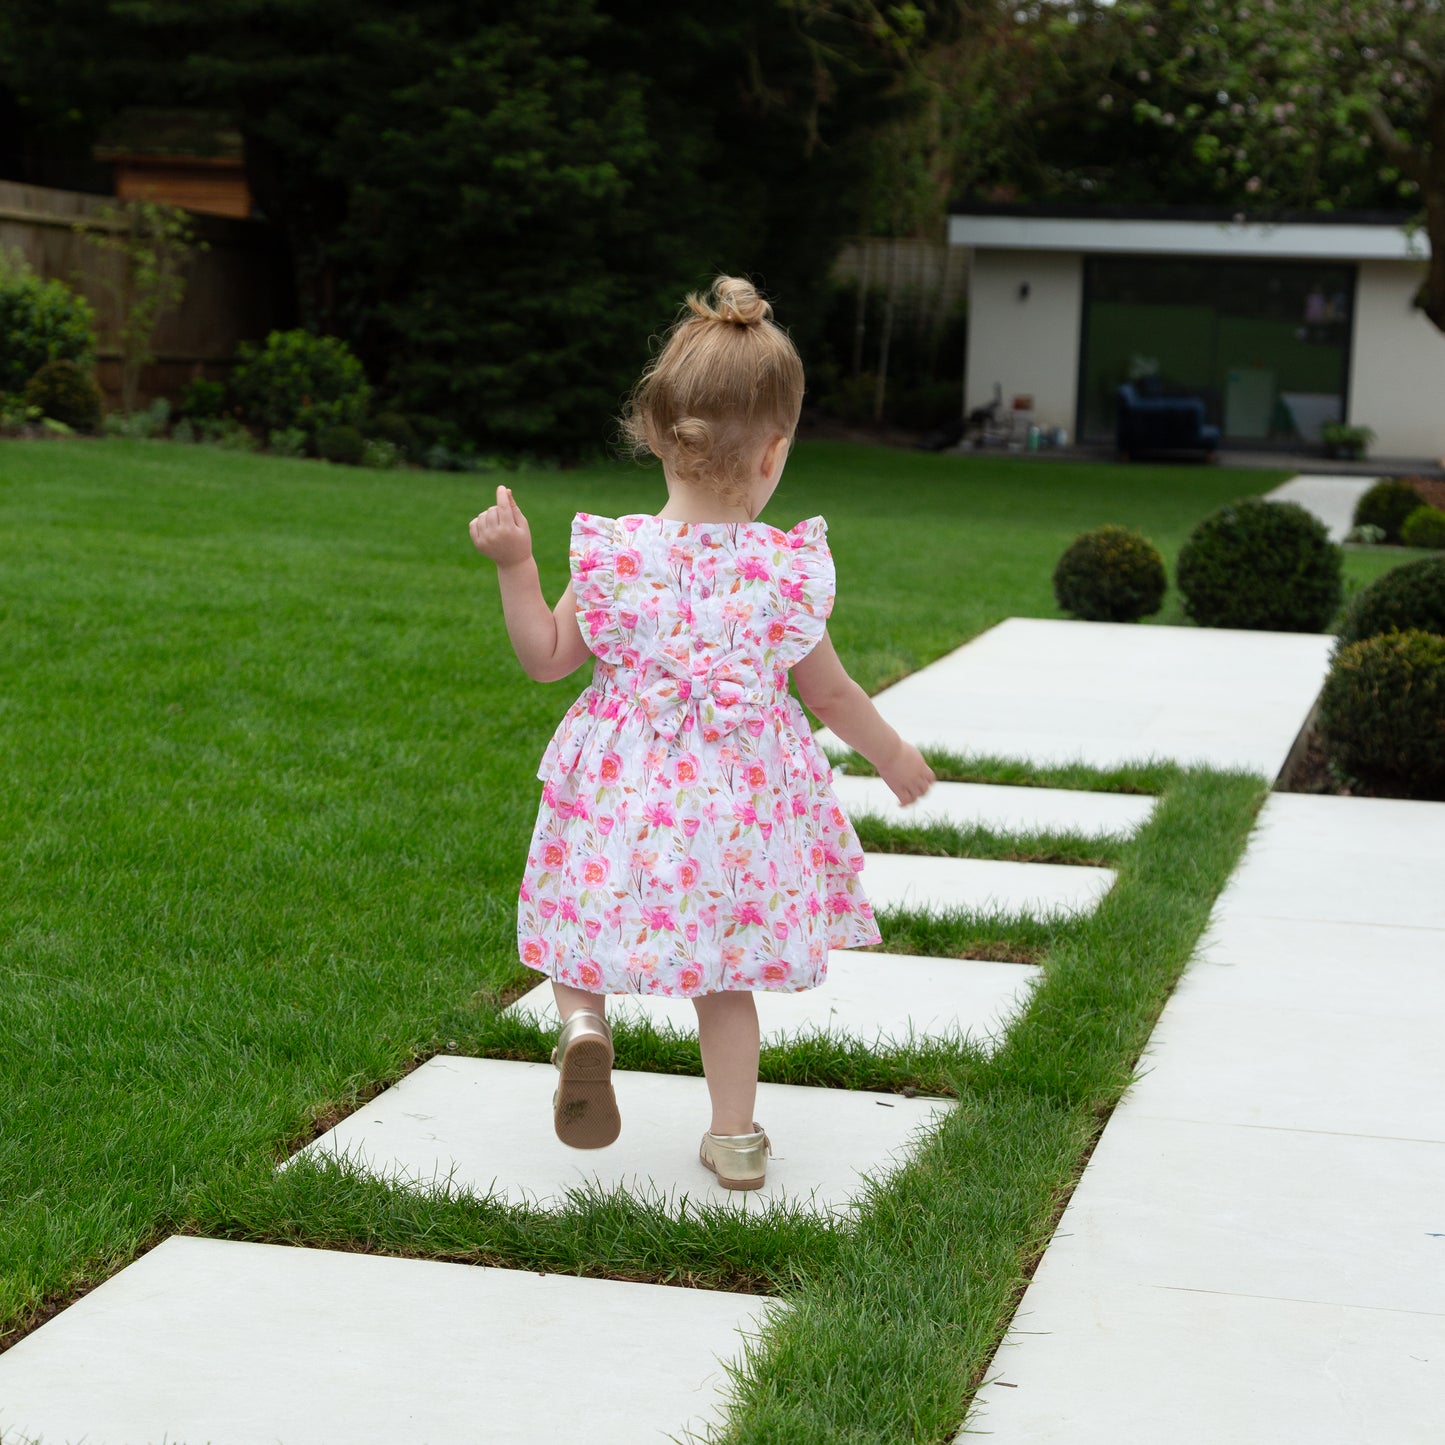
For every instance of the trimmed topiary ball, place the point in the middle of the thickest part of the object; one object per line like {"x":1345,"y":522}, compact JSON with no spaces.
{"x":1382,"y":713}
{"x":1412,"y":596}
{"x":1110,"y":575}
{"x":65,"y":391}
{"x":1424,"y":527}
{"x":1386,"y":505}
{"x":343,"y":444}
{"x":1269,"y":566}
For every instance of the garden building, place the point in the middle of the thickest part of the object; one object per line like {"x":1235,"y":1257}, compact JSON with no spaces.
{"x":1281,"y":326}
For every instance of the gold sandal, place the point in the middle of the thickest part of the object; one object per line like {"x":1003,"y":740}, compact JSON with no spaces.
{"x":740,"y":1161}
{"x":584,"y":1108}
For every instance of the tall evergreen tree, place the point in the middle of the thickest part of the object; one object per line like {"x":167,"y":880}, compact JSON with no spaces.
{"x":496,"y":206}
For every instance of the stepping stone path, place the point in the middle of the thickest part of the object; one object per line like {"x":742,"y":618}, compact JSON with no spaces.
{"x":1331,"y":499}
{"x":215,"y":1340}
{"x":1110,"y":693}
{"x":206,"y":1340}
{"x":1256,"y":1250}
{"x":880,"y":998}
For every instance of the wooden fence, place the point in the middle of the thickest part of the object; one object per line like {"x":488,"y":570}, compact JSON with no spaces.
{"x":238,"y":289}
{"x":922,"y":284}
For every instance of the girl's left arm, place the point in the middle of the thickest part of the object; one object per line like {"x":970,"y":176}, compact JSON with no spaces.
{"x":548,"y":642}
{"x":838,"y":701}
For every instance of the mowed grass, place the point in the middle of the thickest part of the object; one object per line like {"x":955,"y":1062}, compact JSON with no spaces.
{"x":270,"y":769}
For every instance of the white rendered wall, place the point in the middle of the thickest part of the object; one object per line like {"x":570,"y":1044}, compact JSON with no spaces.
{"x":1397,"y":378}
{"x":1029,"y":346}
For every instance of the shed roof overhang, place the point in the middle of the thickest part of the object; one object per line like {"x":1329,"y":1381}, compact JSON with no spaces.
{"x":1325,"y":236}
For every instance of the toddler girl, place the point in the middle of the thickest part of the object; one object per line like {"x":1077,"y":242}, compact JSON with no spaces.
{"x":688,"y":841}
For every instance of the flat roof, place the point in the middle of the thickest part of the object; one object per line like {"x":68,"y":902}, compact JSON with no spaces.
{"x":1338,"y":238}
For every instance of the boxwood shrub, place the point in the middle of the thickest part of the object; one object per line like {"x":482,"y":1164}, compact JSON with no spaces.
{"x":1424,"y":527}
{"x":1382,"y":713}
{"x":1110,"y":575}
{"x":343,"y":444}
{"x":1410,"y":596}
{"x":391,"y":426}
{"x":1386,"y":505}
{"x":66,"y":391}
{"x":40,"y":321}
{"x":299,"y":379}
{"x":1265,"y":565}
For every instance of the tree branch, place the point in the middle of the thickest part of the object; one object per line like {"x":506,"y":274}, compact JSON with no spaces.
{"x":1407,"y":157}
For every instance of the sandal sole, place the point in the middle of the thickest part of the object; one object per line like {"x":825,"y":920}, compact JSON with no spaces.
{"x":584,"y":1109}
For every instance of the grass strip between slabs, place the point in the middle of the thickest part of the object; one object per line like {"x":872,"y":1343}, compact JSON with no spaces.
{"x":950,"y":840}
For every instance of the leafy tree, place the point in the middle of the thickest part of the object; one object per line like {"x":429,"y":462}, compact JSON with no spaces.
{"x":1286,"y":98}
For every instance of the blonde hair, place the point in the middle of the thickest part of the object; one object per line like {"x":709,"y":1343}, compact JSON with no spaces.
{"x":726,"y":377}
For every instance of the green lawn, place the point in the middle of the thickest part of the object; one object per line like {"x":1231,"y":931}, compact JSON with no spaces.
{"x":270,"y":769}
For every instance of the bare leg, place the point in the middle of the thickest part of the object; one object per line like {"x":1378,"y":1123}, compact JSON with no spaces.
{"x":727,"y":1029}
{"x":570,"y":999}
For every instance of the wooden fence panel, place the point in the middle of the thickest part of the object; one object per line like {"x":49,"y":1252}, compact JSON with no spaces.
{"x":236,"y":290}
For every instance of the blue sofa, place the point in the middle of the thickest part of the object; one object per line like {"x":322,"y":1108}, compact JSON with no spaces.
{"x":1149,"y":421}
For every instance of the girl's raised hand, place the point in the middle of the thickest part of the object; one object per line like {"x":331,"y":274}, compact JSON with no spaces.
{"x":501,"y":532}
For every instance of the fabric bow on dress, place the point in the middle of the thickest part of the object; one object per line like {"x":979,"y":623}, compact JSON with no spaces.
{"x":682,"y":695}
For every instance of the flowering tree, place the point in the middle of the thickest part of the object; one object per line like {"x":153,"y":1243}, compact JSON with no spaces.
{"x":1279,"y":95}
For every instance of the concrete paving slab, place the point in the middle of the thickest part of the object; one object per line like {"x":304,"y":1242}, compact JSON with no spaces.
{"x":249,"y":1344}
{"x":1105,"y":693}
{"x":1125,"y":1362}
{"x":488,"y":1124}
{"x":1296,"y":1069}
{"x":1331,"y":499}
{"x":1003,"y":809}
{"x":880,"y":998}
{"x":1348,"y":860}
{"x":1331,"y":1218}
{"x":1254,"y":1252}
{"x":1039,"y":890}
{"x":1362,"y":969}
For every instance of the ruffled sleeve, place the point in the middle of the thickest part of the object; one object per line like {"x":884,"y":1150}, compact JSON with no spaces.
{"x":592,"y":557}
{"x":808,"y":588}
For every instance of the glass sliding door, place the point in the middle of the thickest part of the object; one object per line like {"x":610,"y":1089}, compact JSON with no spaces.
{"x":1265,"y":343}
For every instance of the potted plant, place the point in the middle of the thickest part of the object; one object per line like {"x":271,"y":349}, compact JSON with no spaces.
{"x":1348,"y":443}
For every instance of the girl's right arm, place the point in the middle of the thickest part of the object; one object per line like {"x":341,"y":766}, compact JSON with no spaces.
{"x":843,"y":706}
{"x":548,"y":642}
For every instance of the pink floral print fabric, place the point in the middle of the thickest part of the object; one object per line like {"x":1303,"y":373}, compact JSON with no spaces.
{"x":688,"y":839}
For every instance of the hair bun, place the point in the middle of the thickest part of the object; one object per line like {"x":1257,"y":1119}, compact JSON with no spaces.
{"x":733,"y":301}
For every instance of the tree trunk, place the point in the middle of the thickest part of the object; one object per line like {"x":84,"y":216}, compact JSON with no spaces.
{"x":1430,"y":298}
{"x":1425,"y":165}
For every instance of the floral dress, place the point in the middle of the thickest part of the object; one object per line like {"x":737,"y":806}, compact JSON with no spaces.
{"x":688,"y":839}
